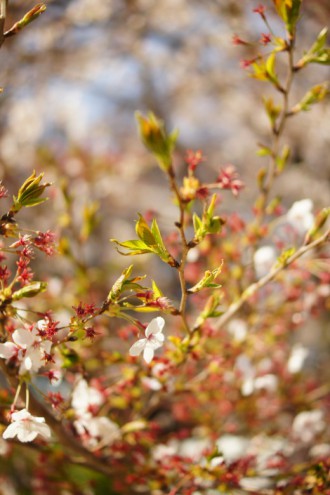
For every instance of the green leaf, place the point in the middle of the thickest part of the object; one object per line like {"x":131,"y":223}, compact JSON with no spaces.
{"x":155,"y":138}
{"x":318,"y":52}
{"x":144,"y":233}
{"x":320,"y":41}
{"x":158,"y":238}
{"x":282,"y":159}
{"x":156,"y":290}
{"x":151,"y":242}
{"x":288,"y":10}
{"x":314,"y":95}
{"x":264,"y":150}
{"x":272,"y":110}
{"x":135,"y":247}
{"x":209,"y":224}
{"x":30,"y":290}
{"x":207,"y":281}
{"x":320,"y":220}
{"x":29,"y":193}
{"x":124,"y":283}
{"x":210,"y":309}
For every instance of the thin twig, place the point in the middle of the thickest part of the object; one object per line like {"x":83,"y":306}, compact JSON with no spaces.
{"x":3,"y":14}
{"x":185,"y":249}
{"x":253,"y":288}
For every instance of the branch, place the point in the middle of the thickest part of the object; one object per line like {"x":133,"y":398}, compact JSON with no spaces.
{"x":253,"y":288}
{"x":64,"y":436}
{"x":3,"y":13}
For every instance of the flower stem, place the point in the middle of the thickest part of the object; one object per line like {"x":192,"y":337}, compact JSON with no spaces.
{"x":185,"y":249}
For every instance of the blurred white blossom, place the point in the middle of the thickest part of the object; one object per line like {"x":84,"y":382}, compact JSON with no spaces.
{"x":297,"y":358}
{"x":263,"y":259}
{"x":300,"y":215}
{"x":307,"y":424}
{"x":238,"y":329}
{"x":96,"y":431}
{"x":232,"y":447}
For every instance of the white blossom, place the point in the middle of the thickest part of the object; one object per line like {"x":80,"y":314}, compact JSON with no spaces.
{"x":255,"y":483}
{"x":238,"y":329}
{"x":232,"y":447}
{"x":300,"y":215}
{"x":263,"y":260}
{"x":267,"y":382}
{"x":96,"y":431}
{"x":154,"y":339}
{"x":85,"y":398}
{"x":28,"y":348}
{"x":307,"y":424}
{"x":297,"y":358}
{"x":251,"y":382}
{"x":26,"y":427}
{"x":151,"y":383}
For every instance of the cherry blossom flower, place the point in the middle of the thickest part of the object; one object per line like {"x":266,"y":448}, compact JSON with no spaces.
{"x":95,"y":431}
{"x":263,"y":260}
{"x":255,"y":483}
{"x":26,"y":427}
{"x":300,"y":215}
{"x":307,"y":424}
{"x":238,"y":329}
{"x":153,"y":340}
{"x":28,"y":349}
{"x":232,"y":447}
{"x":228,"y":179}
{"x":86,"y":399}
{"x":265,"y":38}
{"x":297,"y":358}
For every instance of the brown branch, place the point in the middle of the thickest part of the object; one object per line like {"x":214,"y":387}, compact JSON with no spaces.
{"x":253,"y":288}
{"x":3,"y":13}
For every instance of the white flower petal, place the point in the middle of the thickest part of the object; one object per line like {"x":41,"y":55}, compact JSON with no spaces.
{"x":7,"y":350}
{"x":148,"y":354}
{"x":26,"y":427}
{"x":84,"y":396}
{"x":23,"y":337}
{"x":138,"y":347}
{"x":155,"y":341}
{"x":155,"y":326}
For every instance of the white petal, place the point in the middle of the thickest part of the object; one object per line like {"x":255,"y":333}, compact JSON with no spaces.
{"x":155,"y":341}
{"x":23,"y":337}
{"x":138,"y":347}
{"x":43,"y":430}
{"x":46,"y":346}
{"x":25,"y":434}
{"x":7,"y":350}
{"x":148,"y":354}
{"x":10,"y":431}
{"x":155,"y":326}
{"x":27,"y":363}
{"x":20,"y":415}
{"x":84,"y":396}
{"x":104,"y":428}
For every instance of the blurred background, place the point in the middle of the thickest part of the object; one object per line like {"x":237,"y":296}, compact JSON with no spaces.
{"x":73,"y":79}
